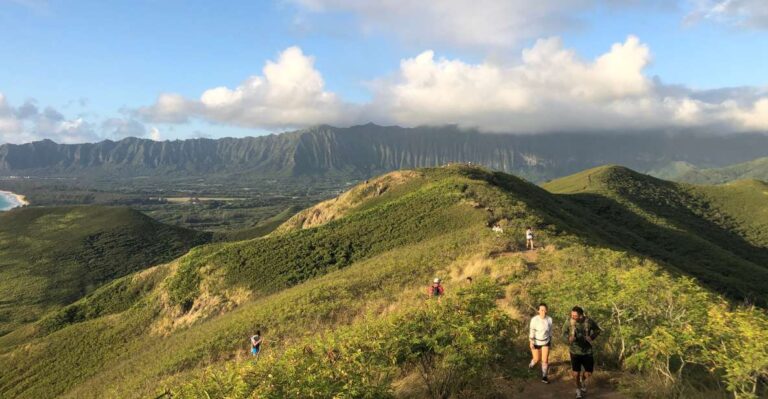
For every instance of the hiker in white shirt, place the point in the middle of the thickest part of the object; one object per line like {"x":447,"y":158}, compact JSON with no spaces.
{"x":529,"y":238}
{"x":540,"y":337}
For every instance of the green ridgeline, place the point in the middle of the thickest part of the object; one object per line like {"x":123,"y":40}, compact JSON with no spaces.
{"x":50,"y":257}
{"x":341,"y":304}
{"x":716,"y":234}
{"x":755,"y":169}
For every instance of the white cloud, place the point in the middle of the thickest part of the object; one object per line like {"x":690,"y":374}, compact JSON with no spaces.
{"x":121,"y":127}
{"x":487,"y":24}
{"x":9,"y":122}
{"x":154,"y":134}
{"x":754,"y":117}
{"x":169,"y":108}
{"x":26,"y":123}
{"x":739,"y":13}
{"x":466,"y":23}
{"x":289,"y":93}
{"x":552,"y":89}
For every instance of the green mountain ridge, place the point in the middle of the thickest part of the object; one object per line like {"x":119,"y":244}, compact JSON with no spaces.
{"x":679,"y":223}
{"x":359,"y":152}
{"x":756,"y":169}
{"x":338,"y":290}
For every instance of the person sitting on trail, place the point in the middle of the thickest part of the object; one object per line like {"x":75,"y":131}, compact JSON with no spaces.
{"x":436,"y":290}
{"x":540,"y":337}
{"x":256,"y":343}
{"x":580,"y":331}
{"x":529,"y":238}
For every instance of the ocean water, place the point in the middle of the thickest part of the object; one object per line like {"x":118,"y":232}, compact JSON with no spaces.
{"x":5,"y":203}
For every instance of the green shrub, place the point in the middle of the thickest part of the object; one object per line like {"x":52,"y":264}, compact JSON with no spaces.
{"x":656,"y":323}
{"x":453,"y":345}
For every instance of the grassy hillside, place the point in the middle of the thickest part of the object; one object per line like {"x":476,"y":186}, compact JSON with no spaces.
{"x":743,"y":206}
{"x":717,"y":234}
{"x":217,"y":278}
{"x":339,"y":292}
{"x":756,"y":169}
{"x":50,"y":257}
{"x":260,"y":229}
{"x":673,"y":170}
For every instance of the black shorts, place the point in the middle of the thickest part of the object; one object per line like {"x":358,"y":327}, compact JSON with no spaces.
{"x":577,"y":361}
{"x":539,"y":346}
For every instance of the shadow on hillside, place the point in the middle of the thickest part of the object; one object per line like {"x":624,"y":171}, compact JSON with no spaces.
{"x":677,"y":207}
{"x":718,"y":258}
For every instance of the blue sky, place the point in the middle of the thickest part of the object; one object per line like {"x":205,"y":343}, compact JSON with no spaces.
{"x":101,"y":67}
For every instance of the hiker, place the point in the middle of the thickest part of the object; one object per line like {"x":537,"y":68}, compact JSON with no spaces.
{"x":580,"y":331}
{"x":529,"y":238}
{"x":469,"y":280}
{"x":436,"y":290}
{"x":540,"y":337}
{"x":256,"y":343}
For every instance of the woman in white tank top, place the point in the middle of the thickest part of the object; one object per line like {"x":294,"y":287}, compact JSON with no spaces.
{"x":540,"y":337}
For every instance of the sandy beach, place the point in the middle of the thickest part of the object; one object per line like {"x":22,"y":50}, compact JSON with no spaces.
{"x":16,"y":200}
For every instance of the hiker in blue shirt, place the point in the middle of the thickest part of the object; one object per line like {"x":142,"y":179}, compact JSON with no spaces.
{"x":256,"y":343}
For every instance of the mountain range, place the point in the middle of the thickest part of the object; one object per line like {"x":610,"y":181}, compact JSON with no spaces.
{"x":367,"y":150}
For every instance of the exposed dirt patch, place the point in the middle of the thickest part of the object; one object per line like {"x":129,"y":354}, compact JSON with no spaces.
{"x":335,"y":208}
{"x":211,"y":302}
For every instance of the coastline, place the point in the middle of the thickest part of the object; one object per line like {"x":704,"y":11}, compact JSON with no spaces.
{"x":16,"y":200}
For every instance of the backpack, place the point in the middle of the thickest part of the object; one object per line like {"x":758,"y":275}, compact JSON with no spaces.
{"x":574,"y":332}
{"x":436,"y":290}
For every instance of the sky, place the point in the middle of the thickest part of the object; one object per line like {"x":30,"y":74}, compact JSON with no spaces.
{"x":86,"y":71}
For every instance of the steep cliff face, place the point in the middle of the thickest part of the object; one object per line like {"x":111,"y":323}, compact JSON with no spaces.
{"x":269,"y":154}
{"x":366,"y":150}
{"x":371,"y":149}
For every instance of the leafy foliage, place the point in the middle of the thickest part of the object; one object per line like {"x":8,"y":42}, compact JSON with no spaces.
{"x":667,"y":326}
{"x":454,"y":345}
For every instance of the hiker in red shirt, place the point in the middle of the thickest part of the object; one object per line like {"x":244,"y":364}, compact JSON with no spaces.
{"x":436,"y":290}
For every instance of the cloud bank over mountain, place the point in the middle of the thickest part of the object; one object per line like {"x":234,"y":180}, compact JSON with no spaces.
{"x":552,"y":88}
{"x":28,"y":122}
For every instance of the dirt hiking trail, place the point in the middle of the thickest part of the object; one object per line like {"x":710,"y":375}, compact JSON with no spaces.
{"x":561,"y":385}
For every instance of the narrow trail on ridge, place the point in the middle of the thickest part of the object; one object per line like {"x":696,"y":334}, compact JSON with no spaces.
{"x":560,"y":381}
{"x":561,"y":386}
{"x":531,"y":257}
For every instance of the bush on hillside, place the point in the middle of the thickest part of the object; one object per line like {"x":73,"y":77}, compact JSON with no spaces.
{"x":453,"y":346}
{"x":655,"y":323}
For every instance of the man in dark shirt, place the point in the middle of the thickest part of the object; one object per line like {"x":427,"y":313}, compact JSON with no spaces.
{"x":580,"y":331}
